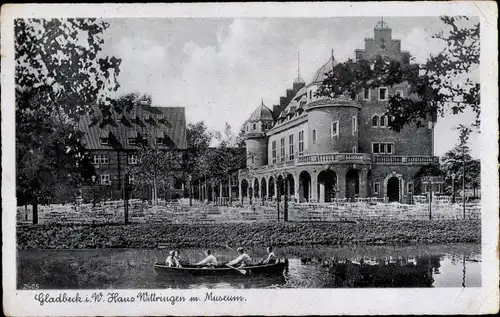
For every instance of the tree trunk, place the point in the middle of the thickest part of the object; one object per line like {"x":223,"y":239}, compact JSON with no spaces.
{"x":190,"y":195}
{"x":35,"y":211}
{"x":230,"y":191}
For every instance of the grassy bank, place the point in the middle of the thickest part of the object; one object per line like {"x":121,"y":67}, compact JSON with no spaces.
{"x":247,"y":234}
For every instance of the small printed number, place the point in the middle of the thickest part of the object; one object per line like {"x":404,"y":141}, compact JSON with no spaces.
{"x":31,"y":286}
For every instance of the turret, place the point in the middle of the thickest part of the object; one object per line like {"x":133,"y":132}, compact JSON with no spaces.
{"x":256,"y":126}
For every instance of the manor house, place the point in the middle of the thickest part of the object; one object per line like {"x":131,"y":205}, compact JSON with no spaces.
{"x":318,"y":148}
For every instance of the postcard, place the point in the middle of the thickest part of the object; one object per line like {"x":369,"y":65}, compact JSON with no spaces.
{"x":250,"y":159}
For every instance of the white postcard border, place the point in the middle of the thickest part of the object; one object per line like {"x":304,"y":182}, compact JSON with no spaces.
{"x":484,"y":299}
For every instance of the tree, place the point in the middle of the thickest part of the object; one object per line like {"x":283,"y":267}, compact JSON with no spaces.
{"x":442,"y":84}
{"x":458,"y":166}
{"x":59,"y":76}
{"x":196,"y":159}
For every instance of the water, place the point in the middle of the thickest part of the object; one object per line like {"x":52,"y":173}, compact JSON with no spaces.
{"x":456,"y":265}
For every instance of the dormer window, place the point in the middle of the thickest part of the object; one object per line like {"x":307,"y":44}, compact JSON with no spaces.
{"x":160,"y":137}
{"x":132,"y":137}
{"x":105,"y":137}
{"x":254,"y":126}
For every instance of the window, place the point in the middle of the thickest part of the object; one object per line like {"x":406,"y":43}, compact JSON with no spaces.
{"x":274,"y":151}
{"x":247,"y":127}
{"x":354,"y":124}
{"x":282,"y":149}
{"x":399,"y":93}
{"x":366,"y":94}
{"x":335,"y":128}
{"x":382,"y":148}
{"x":409,"y":188}
{"x":291,"y":152}
{"x":310,"y":94}
{"x":389,"y":148}
{"x":253,"y":159}
{"x":131,"y":179}
{"x":383,"y":120}
{"x":375,"y":121}
{"x":354,"y":149}
{"x":100,"y":159}
{"x":382,"y":94}
{"x":132,"y":159}
{"x":105,"y":179}
{"x":314,"y":136}
{"x":104,"y":141}
{"x":254,"y":126}
{"x":132,"y":141}
{"x":159,"y":140}
{"x":160,"y":116}
{"x":376,"y":188}
{"x":301,"y":143}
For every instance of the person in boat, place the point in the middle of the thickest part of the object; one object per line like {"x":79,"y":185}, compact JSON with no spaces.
{"x":177,"y":258}
{"x":209,"y":261}
{"x":171,"y":261}
{"x":271,"y":257}
{"x":242,"y":260}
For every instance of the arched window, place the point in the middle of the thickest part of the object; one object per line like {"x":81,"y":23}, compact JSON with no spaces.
{"x":254,"y":126}
{"x":383,"y":121}
{"x":375,"y":121}
{"x":314,"y":136}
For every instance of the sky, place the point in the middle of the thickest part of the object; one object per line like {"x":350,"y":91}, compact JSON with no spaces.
{"x":219,"y":69}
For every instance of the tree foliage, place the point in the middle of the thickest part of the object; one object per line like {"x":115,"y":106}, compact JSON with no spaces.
{"x":458,"y":163}
{"x":59,"y":76}
{"x":441,"y":84}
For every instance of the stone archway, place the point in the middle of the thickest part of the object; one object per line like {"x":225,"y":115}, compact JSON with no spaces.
{"x":280,"y":186}
{"x":263,"y":188}
{"x":396,"y":186}
{"x":352,"y":184}
{"x":304,"y":186}
{"x":327,"y":186}
{"x":271,"y":192}
{"x":256,"y":187}
{"x":393,"y":189}
{"x":244,"y":188}
{"x":290,"y":185}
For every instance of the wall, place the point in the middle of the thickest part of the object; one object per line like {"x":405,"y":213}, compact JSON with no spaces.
{"x":292,"y":130}
{"x":321,"y":120}
{"x":409,"y":141}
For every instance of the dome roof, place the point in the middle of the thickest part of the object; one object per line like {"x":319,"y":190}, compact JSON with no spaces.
{"x":326,"y":68}
{"x":262,"y":113}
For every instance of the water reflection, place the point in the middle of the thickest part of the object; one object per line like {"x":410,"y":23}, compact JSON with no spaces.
{"x":309,"y":267}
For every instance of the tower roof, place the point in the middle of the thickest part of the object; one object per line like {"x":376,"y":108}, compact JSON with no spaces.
{"x":261,"y":113}
{"x":326,"y":68}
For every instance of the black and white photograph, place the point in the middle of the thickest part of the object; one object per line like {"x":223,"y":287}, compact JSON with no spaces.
{"x":189,"y":159}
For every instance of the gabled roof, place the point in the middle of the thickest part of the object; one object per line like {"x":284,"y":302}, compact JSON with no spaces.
{"x":168,"y":121}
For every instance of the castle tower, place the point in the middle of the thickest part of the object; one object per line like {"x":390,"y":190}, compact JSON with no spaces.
{"x":256,"y":126}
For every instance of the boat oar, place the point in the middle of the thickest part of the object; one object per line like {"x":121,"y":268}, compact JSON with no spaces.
{"x":244,"y":272}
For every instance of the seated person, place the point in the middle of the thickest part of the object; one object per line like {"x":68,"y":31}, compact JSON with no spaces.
{"x":177,"y":258}
{"x":171,"y":261}
{"x":209,"y":261}
{"x":271,"y":257}
{"x":242,"y":260}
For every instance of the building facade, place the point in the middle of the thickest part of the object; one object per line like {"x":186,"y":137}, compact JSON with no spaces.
{"x":317,"y":149}
{"x":113,"y":142}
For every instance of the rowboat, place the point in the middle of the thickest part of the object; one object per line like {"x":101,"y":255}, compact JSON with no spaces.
{"x":222,"y":270}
